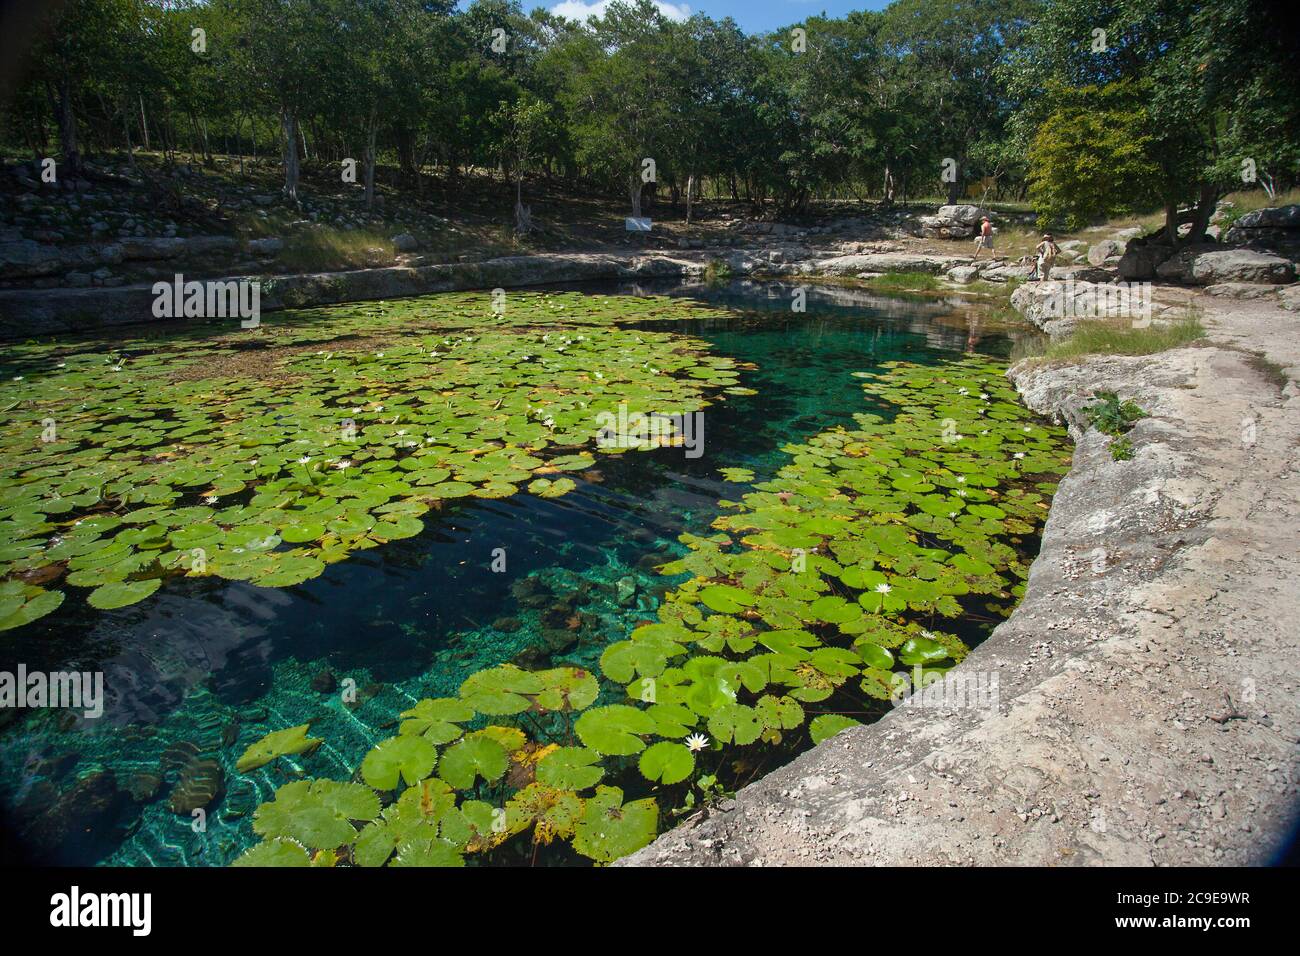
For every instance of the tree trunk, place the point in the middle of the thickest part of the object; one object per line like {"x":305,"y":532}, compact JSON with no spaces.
{"x":1204,"y":210}
{"x":144,"y":126}
{"x":68,"y":128}
{"x":370,"y":161}
{"x":690,"y":188}
{"x":207,"y":151}
{"x":126,"y":131}
{"x":1171,"y":222}
{"x":634,"y":193}
{"x":289,"y":123}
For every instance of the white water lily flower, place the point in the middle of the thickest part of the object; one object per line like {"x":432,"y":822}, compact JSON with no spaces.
{"x":210,"y":499}
{"x":304,"y":459}
{"x":961,"y":479}
{"x":696,"y":742}
{"x":344,"y":464}
{"x":952,"y":514}
{"x":963,"y":391}
{"x":883,"y":588}
{"x":961,"y":493}
{"x":1019,"y":454}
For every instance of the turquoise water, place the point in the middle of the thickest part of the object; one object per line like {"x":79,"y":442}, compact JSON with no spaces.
{"x":205,"y":667}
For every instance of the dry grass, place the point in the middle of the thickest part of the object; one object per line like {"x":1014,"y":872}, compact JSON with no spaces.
{"x":1118,"y":337}
{"x":324,"y":248}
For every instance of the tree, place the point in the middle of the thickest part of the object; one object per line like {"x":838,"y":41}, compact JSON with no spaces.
{"x":1091,"y":157}
{"x":521,"y":127}
{"x":1186,"y":57}
{"x":618,"y":93}
{"x":281,"y":45}
{"x":81,"y":41}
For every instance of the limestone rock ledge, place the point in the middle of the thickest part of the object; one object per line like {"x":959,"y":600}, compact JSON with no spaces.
{"x":46,"y":311}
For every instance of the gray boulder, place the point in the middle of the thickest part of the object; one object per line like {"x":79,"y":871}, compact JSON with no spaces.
{"x":405,"y":242}
{"x":970,"y":215}
{"x":265,"y":247}
{"x":888,"y":262}
{"x":1241,"y":290}
{"x":953,"y":222}
{"x":25,"y":259}
{"x":1266,"y":227}
{"x":1141,"y":260}
{"x":208,"y":245}
{"x":154,"y":248}
{"x":1100,"y":252}
{"x":1230,"y":265}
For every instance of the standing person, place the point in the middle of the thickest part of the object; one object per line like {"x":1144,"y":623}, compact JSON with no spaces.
{"x":1047,"y":252}
{"x":984,"y":240}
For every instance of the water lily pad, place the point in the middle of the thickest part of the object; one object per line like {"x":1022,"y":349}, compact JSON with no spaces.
{"x":666,"y":762}
{"x":406,"y":757}
{"x":826,"y":726}
{"x":463,"y":762}
{"x":292,"y":740}
{"x":316,"y":813}
{"x":615,"y":730}
{"x":610,"y":829}
{"x":277,"y":852}
{"x":117,"y":594}
{"x":437,"y":719}
{"x":570,"y":768}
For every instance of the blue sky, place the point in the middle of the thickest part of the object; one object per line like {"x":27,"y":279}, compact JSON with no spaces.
{"x":754,"y":16}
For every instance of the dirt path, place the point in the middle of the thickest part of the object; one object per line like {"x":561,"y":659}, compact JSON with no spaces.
{"x":1149,"y":683}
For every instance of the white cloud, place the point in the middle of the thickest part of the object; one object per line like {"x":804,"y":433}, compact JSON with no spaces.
{"x":581,"y":10}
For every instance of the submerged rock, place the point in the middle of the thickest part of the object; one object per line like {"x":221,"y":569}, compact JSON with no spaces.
{"x":625,"y":590}
{"x":200,"y":784}
{"x":79,"y":826}
{"x":144,"y":786}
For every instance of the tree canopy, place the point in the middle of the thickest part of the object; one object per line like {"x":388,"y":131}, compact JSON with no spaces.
{"x":1086,"y":106}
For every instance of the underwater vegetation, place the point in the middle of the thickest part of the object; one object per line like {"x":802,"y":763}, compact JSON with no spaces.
{"x":262,"y":455}
{"x":825,"y":593}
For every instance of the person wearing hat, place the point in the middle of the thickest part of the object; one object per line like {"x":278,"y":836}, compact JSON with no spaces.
{"x":1047,"y":252}
{"x":984,"y":238}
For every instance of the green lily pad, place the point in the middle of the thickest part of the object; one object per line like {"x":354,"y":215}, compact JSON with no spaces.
{"x":406,"y":757}
{"x":117,"y":594}
{"x":666,"y":762}
{"x":292,"y":740}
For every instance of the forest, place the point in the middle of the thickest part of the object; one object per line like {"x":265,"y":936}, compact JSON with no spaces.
{"x":1082,"y":108}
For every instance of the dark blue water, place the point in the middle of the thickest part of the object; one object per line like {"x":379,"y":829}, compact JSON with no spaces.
{"x":208,"y":666}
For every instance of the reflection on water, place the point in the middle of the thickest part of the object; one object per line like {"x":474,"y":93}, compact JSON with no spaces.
{"x":205,"y":667}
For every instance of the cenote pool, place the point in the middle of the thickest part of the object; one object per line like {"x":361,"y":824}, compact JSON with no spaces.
{"x":349,"y":520}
